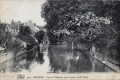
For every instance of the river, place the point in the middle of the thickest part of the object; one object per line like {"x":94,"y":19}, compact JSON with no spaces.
{"x":55,"y":59}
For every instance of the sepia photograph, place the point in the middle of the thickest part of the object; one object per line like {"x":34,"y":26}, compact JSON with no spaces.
{"x":60,"y":39}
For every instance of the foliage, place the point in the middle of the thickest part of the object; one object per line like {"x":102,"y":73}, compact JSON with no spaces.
{"x":25,"y":30}
{"x":110,"y":10}
{"x":40,"y":35}
{"x":77,"y":18}
{"x":16,"y":45}
{"x":22,"y":28}
{"x":4,"y":36}
{"x":83,"y":22}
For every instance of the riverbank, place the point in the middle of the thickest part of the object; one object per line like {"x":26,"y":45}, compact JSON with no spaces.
{"x":107,"y":63}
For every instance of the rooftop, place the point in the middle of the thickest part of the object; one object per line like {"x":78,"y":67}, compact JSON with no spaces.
{"x":15,"y":25}
{"x":27,"y":39}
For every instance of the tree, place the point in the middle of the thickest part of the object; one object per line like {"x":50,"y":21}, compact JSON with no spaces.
{"x":16,"y":46}
{"x":40,"y":35}
{"x":4,"y":36}
{"x":25,"y":30}
{"x":65,"y":17}
{"x":22,"y":30}
{"x":110,"y":9}
{"x":88,"y":21}
{"x":60,"y":15}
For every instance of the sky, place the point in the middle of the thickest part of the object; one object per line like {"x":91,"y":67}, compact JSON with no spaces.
{"x":21,"y":10}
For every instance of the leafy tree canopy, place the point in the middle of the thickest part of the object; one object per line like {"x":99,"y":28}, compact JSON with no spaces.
{"x":84,"y":19}
{"x":25,"y":30}
{"x":40,"y":35}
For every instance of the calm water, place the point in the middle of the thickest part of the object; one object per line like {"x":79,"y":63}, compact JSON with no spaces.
{"x":55,"y":59}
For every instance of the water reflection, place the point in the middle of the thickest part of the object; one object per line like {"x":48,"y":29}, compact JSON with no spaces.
{"x":55,"y":59}
{"x":64,"y":59}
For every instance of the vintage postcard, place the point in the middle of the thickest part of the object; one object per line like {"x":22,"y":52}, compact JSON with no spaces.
{"x":60,"y":39}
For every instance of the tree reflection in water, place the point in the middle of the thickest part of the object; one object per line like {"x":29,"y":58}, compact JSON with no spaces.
{"x":34,"y":57}
{"x":60,"y":59}
{"x":63,"y":59}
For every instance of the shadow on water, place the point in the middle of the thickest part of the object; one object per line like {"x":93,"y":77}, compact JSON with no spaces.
{"x":28,"y":60}
{"x":64,"y":59}
{"x":58,"y":59}
{"x":34,"y":56}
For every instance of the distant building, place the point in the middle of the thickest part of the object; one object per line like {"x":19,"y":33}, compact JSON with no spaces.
{"x":8,"y":29}
{"x":15,"y":27}
{"x":32,"y":27}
